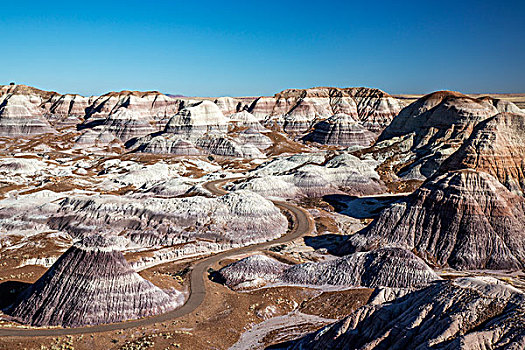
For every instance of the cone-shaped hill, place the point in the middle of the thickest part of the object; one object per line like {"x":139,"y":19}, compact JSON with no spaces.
{"x":90,"y":284}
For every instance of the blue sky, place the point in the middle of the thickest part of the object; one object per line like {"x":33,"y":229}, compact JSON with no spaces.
{"x":216,"y":48}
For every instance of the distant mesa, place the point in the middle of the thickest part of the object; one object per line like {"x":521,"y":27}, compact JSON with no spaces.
{"x":467,"y":313}
{"x":127,"y":113}
{"x":90,"y":284}
{"x":463,"y":219}
{"x":298,"y":109}
{"x":135,"y":117}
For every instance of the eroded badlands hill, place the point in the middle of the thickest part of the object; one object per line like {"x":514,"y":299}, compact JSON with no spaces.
{"x":299,"y":109}
{"x":342,"y":130}
{"x":388,"y":267}
{"x":91,"y":283}
{"x":202,"y":126}
{"x":497,"y":147}
{"x":238,"y":218}
{"x":313,"y":175}
{"x":468,"y":313}
{"x":464,"y":219}
{"x":430,"y":129}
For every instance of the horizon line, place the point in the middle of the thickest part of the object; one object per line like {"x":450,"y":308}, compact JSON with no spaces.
{"x":180,"y":95}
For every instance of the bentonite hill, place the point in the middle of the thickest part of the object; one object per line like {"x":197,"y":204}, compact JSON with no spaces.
{"x":321,"y":218}
{"x":91,"y":283}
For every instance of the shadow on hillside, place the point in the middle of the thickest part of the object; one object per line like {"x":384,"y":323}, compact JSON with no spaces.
{"x":10,"y":290}
{"x":216,"y":277}
{"x":360,"y":207}
{"x":90,"y":124}
{"x":330,"y":242}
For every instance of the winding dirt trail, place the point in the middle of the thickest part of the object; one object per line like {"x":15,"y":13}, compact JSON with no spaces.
{"x":302,"y":224}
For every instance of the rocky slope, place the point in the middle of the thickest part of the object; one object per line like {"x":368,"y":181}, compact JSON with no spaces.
{"x":341,"y":130}
{"x":91,"y":283}
{"x":66,"y":110}
{"x":389,"y":267}
{"x":469,"y":313}
{"x":497,"y":147}
{"x":431,"y":129}
{"x":313,"y":175}
{"x":20,"y":115}
{"x":298,"y":109}
{"x":201,"y":128}
{"x":196,"y":120}
{"x":237,"y":218}
{"x":463,"y":219}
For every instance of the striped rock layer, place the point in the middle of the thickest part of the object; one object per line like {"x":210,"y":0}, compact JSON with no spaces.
{"x":388,"y":267}
{"x":432,"y":128}
{"x":298,"y":109}
{"x":463,"y":219}
{"x":468,"y":313}
{"x":497,"y":147}
{"x":90,"y":284}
